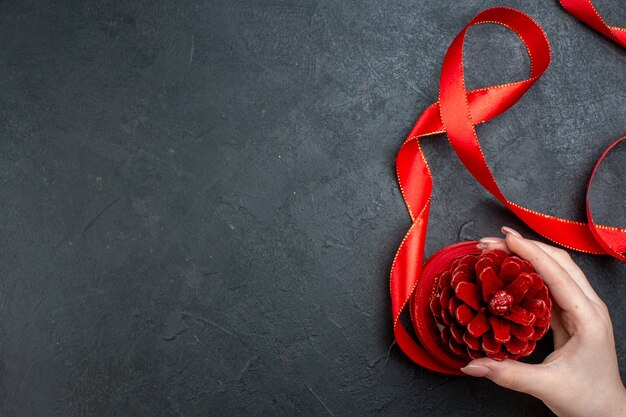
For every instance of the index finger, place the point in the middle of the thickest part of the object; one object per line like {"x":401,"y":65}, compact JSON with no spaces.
{"x":560,"y":256}
{"x":567,"y":294}
{"x":572,"y":269}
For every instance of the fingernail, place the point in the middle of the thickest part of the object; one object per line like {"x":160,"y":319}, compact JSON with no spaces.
{"x":475,"y":370}
{"x":507,"y":230}
{"x":481,"y":246}
{"x":487,"y":240}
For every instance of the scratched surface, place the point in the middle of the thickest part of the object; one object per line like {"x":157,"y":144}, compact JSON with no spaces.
{"x":199,"y":207}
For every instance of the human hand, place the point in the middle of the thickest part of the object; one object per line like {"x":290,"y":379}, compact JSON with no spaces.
{"x":581,"y":377}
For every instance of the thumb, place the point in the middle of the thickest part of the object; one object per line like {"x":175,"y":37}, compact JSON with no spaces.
{"x":530,"y":379}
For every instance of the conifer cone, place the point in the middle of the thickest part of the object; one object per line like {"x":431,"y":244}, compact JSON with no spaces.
{"x":491,"y":304}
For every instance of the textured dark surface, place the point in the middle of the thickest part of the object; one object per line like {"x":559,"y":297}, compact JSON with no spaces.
{"x":199,"y":206}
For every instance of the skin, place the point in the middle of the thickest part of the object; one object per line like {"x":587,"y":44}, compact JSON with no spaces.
{"x":581,"y":377}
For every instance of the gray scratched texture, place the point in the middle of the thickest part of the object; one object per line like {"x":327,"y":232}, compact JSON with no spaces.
{"x":199,"y":207}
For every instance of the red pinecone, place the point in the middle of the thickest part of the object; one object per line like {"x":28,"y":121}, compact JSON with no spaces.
{"x":491,"y":304}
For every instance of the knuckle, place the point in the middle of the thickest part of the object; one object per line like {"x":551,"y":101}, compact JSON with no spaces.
{"x":599,"y":328}
{"x":603,"y":312}
{"x":603,"y":307}
{"x":564,"y":254}
{"x":508,"y":380}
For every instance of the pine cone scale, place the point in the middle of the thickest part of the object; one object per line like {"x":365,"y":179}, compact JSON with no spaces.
{"x":470,"y":294}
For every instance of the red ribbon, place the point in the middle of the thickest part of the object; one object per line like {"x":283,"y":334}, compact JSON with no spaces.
{"x":456,"y":113}
{"x":584,"y":11}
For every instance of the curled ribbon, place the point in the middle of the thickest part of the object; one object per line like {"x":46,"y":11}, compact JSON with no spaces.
{"x":456,"y":113}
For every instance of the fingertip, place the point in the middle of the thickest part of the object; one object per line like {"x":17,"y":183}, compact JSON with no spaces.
{"x":519,"y":245}
{"x":489,"y":240}
{"x":475,"y":369}
{"x":485,"y":361}
{"x":493,"y":243}
{"x":509,"y":231}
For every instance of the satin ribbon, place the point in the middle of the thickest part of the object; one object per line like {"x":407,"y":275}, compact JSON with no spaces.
{"x":585,"y":11}
{"x":456,"y":113}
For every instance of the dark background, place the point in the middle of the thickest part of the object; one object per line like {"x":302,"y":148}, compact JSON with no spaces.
{"x":199,"y":206}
